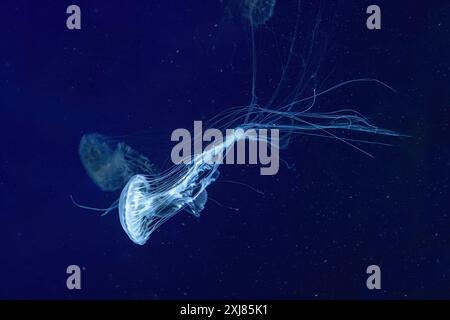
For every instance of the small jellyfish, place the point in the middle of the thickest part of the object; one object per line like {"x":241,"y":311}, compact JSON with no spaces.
{"x":110,"y":163}
{"x":254,"y":12}
{"x":258,"y":12}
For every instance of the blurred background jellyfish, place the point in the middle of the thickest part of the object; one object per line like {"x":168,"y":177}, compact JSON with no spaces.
{"x":254,"y":12}
{"x":109,"y":163}
{"x":258,"y":12}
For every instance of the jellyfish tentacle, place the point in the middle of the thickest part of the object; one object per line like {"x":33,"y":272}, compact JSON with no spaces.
{"x":104,"y":211}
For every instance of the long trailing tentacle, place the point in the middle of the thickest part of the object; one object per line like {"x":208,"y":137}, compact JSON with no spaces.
{"x":105,"y":211}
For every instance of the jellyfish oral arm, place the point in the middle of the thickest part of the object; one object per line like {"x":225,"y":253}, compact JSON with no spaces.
{"x":231,"y":149}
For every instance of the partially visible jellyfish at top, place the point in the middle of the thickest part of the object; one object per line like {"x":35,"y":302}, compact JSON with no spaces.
{"x":255,"y":12}
{"x":258,"y":12}
{"x":149,"y":199}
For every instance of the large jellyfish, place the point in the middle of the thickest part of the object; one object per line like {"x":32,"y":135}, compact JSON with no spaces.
{"x":149,"y":200}
{"x":110,"y":163}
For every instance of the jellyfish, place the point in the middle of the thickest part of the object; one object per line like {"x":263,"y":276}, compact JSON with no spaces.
{"x":254,"y":12}
{"x":148,"y":200}
{"x":258,"y":12}
{"x":109,"y":163}
{"x":147,"y":203}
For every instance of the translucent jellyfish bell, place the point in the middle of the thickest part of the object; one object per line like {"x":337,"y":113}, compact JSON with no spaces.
{"x":135,"y":214}
{"x":109,"y":163}
{"x":142,"y":209}
{"x":147,"y":202}
{"x":258,"y":12}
